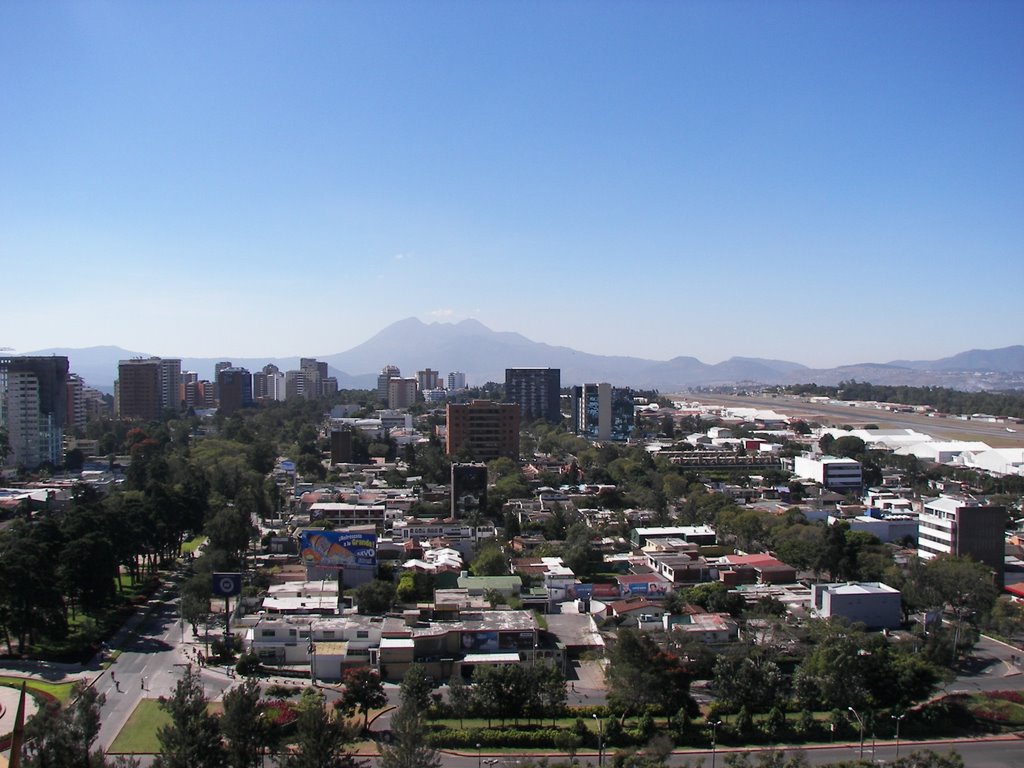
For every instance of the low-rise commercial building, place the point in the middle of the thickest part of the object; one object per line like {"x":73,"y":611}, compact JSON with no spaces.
{"x":836,"y":474}
{"x":873,"y":604}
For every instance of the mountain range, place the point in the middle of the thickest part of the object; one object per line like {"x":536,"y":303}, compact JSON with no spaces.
{"x":483,"y":354}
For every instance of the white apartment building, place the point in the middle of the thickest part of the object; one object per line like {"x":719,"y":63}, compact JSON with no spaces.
{"x":961,"y":526}
{"x":455,"y":532}
{"x":836,"y":474}
{"x":336,"y":642}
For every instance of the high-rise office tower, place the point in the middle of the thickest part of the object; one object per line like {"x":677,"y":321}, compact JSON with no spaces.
{"x":427,"y":379}
{"x":387,"y":373}
{"x":485,"y":429}
{"x":537,"y":391}
{"x":401,"y":393}
{"x":76,"y":416}
{"x":235,"y":387}
{"x":139,"y":389}
{"x":603,"y":412}
{"x":33,"y":409}
{"x":147,"y":386}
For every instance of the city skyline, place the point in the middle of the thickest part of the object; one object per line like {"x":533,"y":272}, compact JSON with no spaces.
{"x":701,"y":179}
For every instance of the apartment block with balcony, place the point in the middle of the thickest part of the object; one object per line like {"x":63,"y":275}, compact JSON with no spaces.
{"x":961,"y":526}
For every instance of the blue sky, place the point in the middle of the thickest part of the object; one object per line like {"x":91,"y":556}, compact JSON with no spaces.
{"x":825,"y":182}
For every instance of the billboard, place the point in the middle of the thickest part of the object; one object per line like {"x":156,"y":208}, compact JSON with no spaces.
{"x":338,"y":549}
{"x":227,"y":584}
{"x":480,"y":642}
{"x":650,"y":588}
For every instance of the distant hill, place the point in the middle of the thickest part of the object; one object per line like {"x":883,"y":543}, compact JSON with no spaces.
{"x":483,"y":354}
{"x":1004,"y":360}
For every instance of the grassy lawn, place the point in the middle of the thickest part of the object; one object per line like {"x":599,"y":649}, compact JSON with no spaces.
{"x":192,"y":545}
{"x":992,"y":708}
{"x":60,"y":691}
{"x":139,"y":733}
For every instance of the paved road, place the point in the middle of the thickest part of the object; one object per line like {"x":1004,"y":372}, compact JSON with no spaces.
{"x":1007,"y":752}
{"x":990,"y":668}
{"x":151,"y":662}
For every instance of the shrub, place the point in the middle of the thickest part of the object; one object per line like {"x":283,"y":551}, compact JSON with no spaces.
{"x":277,"y":691}
{"x":1016,"y":697}
{"x":516,"y":738}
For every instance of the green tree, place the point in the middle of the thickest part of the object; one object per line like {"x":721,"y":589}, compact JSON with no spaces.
{"x":416,"y":687}
{"x":31,"y":604}
{"x":245,"y":731}
{"x":752,"y":679}
{"x":320,"y":740}
{"x":640,"y":674}
{"x":568,"y":742}
{"x":63,"y":738}
{"x":549,"y":685}
{"x":834,"y":673}
{"x":230,"y":531}
{"x":192,"y":739}
{"x":489,"y":560}
{"x":1007,"y":617}
{"x":363,"y":691}
{"x":374,"y":597}
{"x":460,"y":697}
{"x":408,"y":747}
{"x":847,"y":447}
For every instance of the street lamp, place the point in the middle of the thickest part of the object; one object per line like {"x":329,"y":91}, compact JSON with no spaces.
{"x":478,"y":763}
{"x":714,"y":739}
{"x":898,"y":718}
{"x":861,"y":722}
{"x":600,"y":741}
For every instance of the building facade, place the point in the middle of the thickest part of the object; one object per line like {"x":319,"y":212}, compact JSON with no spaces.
{"x":401,"y":392}
{"x":235,"y":387}
{"x":387,"y":373}
{"x":962,"y":527}
{"x":139,"y":389}
{"x":537,"y":391}
{"x":487,"y":430}
{"x":873,"y":604}
{"x":837,"y":474}
{"x":34,"y":409}
{"x":603,"y":412}
{"x":427,"y":379}
{"x":170,"y":383}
